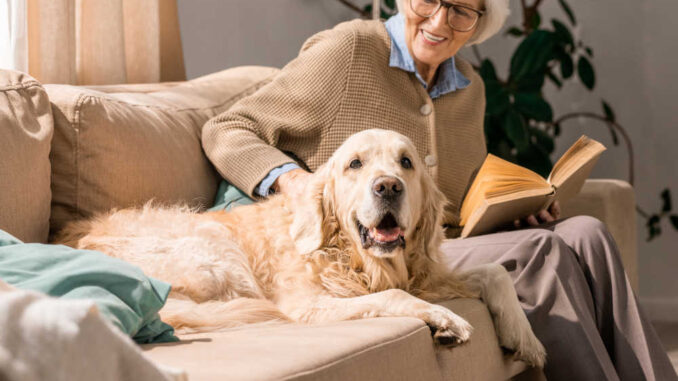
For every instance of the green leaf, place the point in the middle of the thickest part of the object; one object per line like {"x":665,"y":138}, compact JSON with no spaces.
{"x":534,"y":106}
{"x":613,"y":133}
{"x":516,"y":130}
{"x":589,"y":51}
{"x":556,"y":129}
{"x":390,"y":3}
{"x":674,"y":221}
{"x":532,"y":55}
{"x":562,"y":32}
{"x":535,"y":21}
{"x":653,"y":227}
{"x":514,"y":31}
{"x":497,"y":98}
{"x":536,"y":159}
{"x":666,"y":198}
{"x":566,"y":66}
{"x":568,"y":11}
{"x":532,"y":83}
{"x":487,"y":71}
{"x":543,"y":139}
{"x":609,"y":114}
{"x":586,"y":73}
{"x":554,"y":79}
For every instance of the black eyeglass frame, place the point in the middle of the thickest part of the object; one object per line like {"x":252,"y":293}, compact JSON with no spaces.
{"x":449,"y":5}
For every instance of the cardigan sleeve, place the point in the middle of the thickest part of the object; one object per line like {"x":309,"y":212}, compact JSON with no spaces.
{"x":296,"y":107}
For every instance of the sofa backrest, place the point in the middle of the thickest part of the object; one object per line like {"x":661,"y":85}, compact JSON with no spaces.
{"x":121,"y":146}
{"x":25,"y":135}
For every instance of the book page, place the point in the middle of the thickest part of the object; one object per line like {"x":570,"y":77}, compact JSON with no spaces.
{"x":500,"y":211}
{"x":574,"y":167}
{"x":496,"y":178}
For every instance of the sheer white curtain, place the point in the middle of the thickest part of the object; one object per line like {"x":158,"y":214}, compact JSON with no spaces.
{"x":13,"y":36}
{"x":98,"y":42}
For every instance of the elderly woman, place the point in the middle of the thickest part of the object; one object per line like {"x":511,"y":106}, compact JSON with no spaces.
{"x":403,"y":75}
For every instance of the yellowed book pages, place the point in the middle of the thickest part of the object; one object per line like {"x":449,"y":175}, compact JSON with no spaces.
{"x":503,"y":192}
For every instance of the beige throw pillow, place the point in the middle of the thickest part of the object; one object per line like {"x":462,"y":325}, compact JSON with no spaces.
{"x":25,"y":135}
{"x":121,"y":146}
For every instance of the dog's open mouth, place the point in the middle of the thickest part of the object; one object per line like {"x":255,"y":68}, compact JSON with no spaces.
{"x":387,"y":235}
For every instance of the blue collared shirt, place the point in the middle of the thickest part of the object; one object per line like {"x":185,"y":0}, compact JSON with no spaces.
{"x":449,"y":79}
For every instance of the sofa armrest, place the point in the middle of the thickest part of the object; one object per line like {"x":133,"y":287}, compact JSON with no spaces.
{"x":613,"y":202}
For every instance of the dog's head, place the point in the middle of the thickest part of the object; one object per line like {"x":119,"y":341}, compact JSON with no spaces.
{"x":376,"y":192}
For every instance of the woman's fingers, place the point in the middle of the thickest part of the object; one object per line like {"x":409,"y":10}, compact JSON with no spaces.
{"x":532,"y":220}
{"x":546,"y":216}
{"x":555,"y":210}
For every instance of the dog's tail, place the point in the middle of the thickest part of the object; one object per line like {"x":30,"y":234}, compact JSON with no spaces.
{"x":187,"y":316}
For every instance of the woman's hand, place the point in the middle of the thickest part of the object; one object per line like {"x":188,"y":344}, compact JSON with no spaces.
{"x":552,"y":214}
{"x":292,"y":182}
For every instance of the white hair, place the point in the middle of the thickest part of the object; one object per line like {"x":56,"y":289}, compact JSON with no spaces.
{"x":496,"y":12}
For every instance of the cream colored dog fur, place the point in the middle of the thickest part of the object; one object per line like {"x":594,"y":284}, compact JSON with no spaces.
{"x":363,"y":241}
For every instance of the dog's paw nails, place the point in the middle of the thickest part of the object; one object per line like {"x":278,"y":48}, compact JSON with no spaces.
{"x":530,"y":350}
{"x":453,"y":335}
{"x":447,"y":338}
{"x":534,"y":355}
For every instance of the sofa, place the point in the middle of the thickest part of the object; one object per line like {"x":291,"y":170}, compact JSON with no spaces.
{"x":68,"y":152}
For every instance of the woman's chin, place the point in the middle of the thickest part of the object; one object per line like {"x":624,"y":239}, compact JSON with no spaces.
{"x":428,"y":56}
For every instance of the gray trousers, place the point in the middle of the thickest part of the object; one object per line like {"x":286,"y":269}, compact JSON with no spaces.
{"x":573,"y":289}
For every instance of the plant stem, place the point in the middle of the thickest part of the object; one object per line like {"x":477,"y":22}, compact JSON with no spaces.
{"x":611,"y":124}
{"x":528,"y":13}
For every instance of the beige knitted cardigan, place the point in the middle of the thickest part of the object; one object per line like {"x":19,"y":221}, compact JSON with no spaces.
{"x":341,"y":83}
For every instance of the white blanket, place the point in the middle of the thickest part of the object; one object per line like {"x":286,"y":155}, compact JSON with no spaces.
{"x":44,"y":338}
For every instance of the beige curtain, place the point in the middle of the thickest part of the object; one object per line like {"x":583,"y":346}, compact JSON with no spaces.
{"x":99,"y":42}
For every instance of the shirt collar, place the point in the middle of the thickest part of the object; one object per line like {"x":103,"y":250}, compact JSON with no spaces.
{"x":449,"y":78}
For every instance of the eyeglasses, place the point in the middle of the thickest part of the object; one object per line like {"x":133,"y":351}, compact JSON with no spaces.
{"x":461,"y":18}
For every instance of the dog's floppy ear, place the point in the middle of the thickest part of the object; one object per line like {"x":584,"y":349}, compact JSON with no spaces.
{"x":307,"y":225}
{"x":429,"y":228}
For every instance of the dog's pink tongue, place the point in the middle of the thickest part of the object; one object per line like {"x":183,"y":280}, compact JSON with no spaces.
{"x":385,"y":235}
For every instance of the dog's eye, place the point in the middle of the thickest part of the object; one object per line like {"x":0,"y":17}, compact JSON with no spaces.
{"x":405,"y":162}
{"x":355,"y":164}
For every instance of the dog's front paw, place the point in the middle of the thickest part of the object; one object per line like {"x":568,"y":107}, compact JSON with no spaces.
{"x":447,"y":328}
{"x":531,"y":351}
{"x":519,"y":338}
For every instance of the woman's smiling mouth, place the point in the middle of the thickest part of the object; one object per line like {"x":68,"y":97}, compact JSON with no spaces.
{"x":431,"y":38}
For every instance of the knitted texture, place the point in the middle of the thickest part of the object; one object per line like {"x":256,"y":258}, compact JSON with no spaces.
{"x":340,"y":84}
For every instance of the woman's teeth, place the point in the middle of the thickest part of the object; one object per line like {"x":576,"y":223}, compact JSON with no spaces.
{"x":431,"y":37}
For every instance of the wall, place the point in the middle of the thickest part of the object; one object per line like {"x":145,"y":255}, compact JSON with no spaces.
{"x":218,"y":34}
{"x":635,"y":58}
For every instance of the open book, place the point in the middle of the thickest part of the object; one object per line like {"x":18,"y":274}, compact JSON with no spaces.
{"x":503,"y":192}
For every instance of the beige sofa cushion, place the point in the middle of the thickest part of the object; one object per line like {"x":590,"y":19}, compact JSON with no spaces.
{"x":367,"y":349}
{"x":120,"y":146}
{"x":482,"y":357}
{"x":25,"y":135}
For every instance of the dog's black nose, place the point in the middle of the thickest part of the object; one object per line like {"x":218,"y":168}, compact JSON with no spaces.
{"x":387,"y":187}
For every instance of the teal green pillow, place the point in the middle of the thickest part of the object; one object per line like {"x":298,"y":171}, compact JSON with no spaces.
{"x":124,"y":295}
{"x":228,"y":197}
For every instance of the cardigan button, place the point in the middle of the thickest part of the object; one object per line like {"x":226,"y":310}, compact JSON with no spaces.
{"x":430,"y":160}
{"x":425,"y":109}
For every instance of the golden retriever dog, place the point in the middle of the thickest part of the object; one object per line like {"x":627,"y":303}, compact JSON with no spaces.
{"x":362,"y":241}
